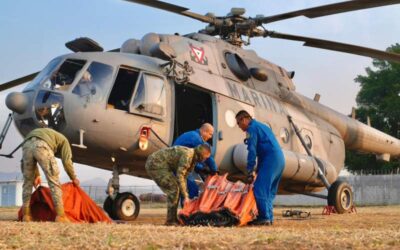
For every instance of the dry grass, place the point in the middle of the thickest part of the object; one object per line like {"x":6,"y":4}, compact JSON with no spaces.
{"x":371,"y":227}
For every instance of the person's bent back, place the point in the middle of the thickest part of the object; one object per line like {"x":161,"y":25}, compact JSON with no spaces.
{"x":40,"y":146}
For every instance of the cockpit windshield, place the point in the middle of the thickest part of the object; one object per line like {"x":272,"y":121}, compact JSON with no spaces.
{"x":44,"y":74}
{"x":94,"y":81}
{"x":62,"y":78}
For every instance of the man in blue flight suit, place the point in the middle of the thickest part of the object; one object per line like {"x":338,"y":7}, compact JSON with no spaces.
{"x":261,"y":143}
{"x":193,"y":139}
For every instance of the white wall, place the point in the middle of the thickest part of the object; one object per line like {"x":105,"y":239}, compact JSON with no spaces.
{"x":17,"y":193}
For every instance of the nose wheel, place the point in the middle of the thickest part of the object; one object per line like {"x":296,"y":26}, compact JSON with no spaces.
{"x":125,"y":206}
{"x":340,"y":196}
{"x":120,"y":206}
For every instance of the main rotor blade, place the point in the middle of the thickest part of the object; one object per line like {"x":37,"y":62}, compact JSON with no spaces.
{"x":18,"y":81}
{"x":173,"y":8}
{"x":342,"y":47}
{"x":331,"y":9}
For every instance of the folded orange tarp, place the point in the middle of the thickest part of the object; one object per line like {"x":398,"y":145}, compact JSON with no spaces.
{"x":215,"y":194}
{"x":78,"y":206}
{"x":241,"y":203}
{"x":215,"y":190}
{"x":223,"y":203}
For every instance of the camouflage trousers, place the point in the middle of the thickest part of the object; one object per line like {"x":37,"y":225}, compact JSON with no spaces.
{"x":36,"y":151}
{"x":168,"y":183}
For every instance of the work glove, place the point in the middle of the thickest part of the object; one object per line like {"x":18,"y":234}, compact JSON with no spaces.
{"x":212,"y":172}
{"x":250,"y":177}
{"x":204,"y":171}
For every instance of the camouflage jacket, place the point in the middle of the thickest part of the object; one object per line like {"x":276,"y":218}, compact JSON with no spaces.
{"x":180,"y":160}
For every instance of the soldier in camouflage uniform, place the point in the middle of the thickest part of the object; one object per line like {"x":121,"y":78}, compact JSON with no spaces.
{"x":40,"y":146}
{"x":169,"y":168}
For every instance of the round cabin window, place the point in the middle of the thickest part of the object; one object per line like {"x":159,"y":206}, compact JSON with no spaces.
{"x":230,"y":118}
{"x":237,"y":66}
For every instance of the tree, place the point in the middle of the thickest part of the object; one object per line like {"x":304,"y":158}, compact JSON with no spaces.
{"x":378,"y":99}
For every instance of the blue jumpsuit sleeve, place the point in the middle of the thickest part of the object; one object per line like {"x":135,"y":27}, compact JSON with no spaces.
{"x":199,"y":166}
{"x":251,"y":148}
{"x":211,"y":163}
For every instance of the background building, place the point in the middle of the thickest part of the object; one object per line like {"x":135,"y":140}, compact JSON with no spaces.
{"x":11,"y":189}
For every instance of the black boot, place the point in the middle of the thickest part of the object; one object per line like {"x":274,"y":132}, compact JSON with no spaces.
{"x":260,"y":222}
{"x":172,"y":219}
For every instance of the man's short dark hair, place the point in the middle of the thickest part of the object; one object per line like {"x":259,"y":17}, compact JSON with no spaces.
{"x":243,"y":114}
{"x":204,"y":148}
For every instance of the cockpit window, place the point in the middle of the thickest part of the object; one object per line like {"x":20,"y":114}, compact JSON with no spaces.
{"x":44,"y":74}
{"x":62,"y":78}
{"x":93,"y":81}
{"x":122,"y":90}
{"x":49,"y":110}
{"x":150,"y":95}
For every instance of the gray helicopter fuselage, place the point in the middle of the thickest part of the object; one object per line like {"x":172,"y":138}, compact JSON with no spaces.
{"x":112,"y":129}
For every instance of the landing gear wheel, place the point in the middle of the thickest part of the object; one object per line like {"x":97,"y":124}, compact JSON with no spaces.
{"x":340,"y":196}
{"x":108,"y":207}
{"x":126,"y":207}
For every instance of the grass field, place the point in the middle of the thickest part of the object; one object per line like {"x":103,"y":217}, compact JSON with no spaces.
{"x":370,"y":228}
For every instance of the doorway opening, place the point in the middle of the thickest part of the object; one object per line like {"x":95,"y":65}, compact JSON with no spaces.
{"x":192,"y":108}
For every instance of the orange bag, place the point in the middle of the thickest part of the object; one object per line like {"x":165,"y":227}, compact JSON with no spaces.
{"x":78,"y":206}
{"x":213,"y":200}
{"x":240,"y":202}
{"x":215,"y":190}
{"x":223,"y":203}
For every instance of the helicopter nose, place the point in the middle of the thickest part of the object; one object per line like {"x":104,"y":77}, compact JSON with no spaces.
{"x":17,"y":102}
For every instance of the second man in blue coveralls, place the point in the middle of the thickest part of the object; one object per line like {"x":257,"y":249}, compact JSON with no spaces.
{"x":262,"y":144}
{"x":193,"y":139}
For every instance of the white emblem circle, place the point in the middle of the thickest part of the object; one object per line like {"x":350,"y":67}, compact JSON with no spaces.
{"x":230,"y":118}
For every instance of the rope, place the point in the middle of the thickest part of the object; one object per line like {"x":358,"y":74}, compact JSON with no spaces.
{"x":159,"y":138}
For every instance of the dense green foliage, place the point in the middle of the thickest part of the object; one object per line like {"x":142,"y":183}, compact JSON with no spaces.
{"x":378,"y":98}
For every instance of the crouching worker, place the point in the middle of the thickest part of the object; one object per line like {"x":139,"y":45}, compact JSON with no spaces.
{"x":40,"y":146}
{"x":169,"y":168}
{"x":192,"y":139}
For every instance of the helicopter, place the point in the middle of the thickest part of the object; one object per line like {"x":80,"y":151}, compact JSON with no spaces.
{"x":119,"y":106}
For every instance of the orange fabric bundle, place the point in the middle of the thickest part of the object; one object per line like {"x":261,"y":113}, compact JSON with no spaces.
{"x":215,"y":190}
{"x":214,"y":199}
{"x":241,"y":202}
{"x":223,"y":203}
{"x":78,"y":206}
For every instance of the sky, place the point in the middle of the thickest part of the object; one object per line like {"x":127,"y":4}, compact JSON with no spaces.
{"x":34,"y":32}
